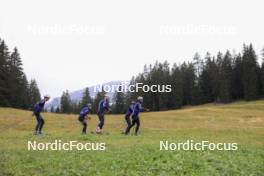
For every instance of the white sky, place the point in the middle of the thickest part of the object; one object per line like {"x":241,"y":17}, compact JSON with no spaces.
{"x":77,"y":43}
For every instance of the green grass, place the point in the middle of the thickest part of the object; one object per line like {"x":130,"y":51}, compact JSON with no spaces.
{"x":241,"y":122}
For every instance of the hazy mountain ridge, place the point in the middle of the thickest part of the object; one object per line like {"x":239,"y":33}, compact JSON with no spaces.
{"x":77,"y":95}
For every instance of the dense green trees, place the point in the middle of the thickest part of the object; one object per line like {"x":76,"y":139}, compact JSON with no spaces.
{"x":119,"y":105}
{"x":33,"y":92}
{"x":4,"y":92}
{"x":86,"y":98}
{"x":222,"y":79}
{"x":250,"y":73}
{"x":15,"y":91}
{"x":66,"y":103}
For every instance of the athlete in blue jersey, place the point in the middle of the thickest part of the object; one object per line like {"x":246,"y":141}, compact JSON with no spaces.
{"x":38,"y":107}
{"x":135,"y":115}
{"x":128,"y":113}
{"x":82,"y":117}
{"x":103,"y":107}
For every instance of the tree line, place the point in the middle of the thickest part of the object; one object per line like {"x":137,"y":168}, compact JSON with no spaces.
{"x":15,"y":89}
{"x":222,"y":78}
{"x":69,"y":106}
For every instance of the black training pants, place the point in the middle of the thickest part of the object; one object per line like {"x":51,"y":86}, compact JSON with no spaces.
{"x":84,"y":123}
{"x":40,"y":122}
{"x":128,"y":121}
{"x":101,"y":120}
{"x":135,"y":121}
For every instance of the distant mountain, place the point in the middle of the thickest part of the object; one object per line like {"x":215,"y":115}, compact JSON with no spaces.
{"x":77,"y":95}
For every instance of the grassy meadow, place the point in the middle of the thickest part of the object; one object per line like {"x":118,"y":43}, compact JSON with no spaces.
{"x":241,"y":122}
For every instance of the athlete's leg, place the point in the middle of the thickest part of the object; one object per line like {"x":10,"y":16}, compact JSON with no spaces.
{"x":38,"y":123}
{"x":41,"y":124}
{"x":137,"y":125}
{"x":84,"y":126}
{"x":101,"y":120}
{"x":129,"y":127}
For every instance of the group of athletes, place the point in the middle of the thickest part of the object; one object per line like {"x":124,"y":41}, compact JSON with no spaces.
{"x":103,"y":107}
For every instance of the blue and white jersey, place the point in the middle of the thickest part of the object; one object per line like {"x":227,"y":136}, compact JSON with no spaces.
{"x":84,"y":111}
{"x":129,"y":110}
{"x":137,"y":108}
{"x":39,"y":106}
{"x":102,"y":107}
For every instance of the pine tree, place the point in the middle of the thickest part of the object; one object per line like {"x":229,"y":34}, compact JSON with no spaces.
{"x":66,"y":104}
{"x":4,"y":91}
{"x":225,"y":78}
{"x":15,"y":90}
{"x":25,"y":104}
{"x":237,"y":88}
{"x":221,"y":79}
{"x":262,"y":72}
{"x":198,"y":64}
{"x":197,"y":94}
{"x":165,"y":80}
{"x":176,"y":95}
{"x":119,"y":99}
{"x":15,"y":80}
{"x":206,"y":79}
{"x":188,"y":83}
{"x":86,"y":98}
{"x":250,"y":78}
{"x":33,"y":93}
{"x":75,"y":107}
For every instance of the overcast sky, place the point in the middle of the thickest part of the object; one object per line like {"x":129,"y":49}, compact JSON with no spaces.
{"x":73,"y":44}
